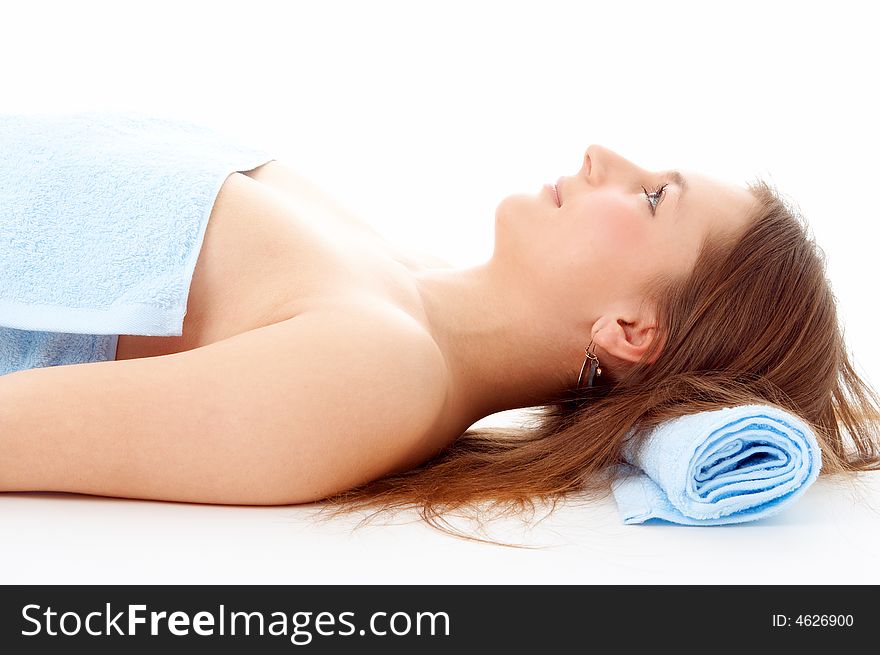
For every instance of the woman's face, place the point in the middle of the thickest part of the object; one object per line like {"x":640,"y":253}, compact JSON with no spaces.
{"x":609,"y":236}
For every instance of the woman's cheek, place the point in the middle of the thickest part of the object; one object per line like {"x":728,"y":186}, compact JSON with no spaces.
{"x":613,"y":230}
{"x":624,"y":230}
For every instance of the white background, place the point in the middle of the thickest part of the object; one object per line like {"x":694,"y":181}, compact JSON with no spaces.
{"x":420,"y":117}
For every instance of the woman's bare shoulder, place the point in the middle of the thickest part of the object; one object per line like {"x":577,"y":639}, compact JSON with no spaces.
{"x":286,"y":413}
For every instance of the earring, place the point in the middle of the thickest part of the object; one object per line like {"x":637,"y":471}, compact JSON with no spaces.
{"x":595,"y":371}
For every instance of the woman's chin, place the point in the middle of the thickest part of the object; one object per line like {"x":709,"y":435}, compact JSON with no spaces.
{"x":517,"y":206}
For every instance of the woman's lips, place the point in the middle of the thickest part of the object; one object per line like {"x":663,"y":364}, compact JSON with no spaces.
{"x":552,"y":189}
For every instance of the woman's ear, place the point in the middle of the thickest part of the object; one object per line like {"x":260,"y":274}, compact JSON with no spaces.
{"x":623,"y":340}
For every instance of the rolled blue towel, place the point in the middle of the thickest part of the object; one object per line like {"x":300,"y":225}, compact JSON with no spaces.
{"x":102,"y":218}
{"x":730,"y":465}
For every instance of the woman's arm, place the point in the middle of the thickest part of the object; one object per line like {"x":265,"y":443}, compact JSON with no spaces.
{"x":286,"y":413}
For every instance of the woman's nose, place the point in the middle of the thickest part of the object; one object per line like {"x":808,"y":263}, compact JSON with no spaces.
{"x":594,"y":163}
{"x":600,"y":164}
{"x":588,"y":162}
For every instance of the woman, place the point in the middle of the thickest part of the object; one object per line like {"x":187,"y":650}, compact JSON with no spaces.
{"x":316,"y":362}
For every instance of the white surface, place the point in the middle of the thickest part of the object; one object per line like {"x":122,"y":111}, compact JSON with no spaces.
{"x":421,"y":117}
{"x":829,"y":537}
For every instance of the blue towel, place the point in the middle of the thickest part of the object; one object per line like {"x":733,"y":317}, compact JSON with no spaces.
{"x":25,"y":349}
{"x":730,"y":465}
{"x":102,"y":217}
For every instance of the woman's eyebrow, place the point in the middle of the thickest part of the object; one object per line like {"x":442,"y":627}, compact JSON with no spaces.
{"x":679,"y":179}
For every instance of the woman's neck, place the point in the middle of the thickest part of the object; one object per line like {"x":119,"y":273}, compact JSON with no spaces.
{"x":502,"y":351}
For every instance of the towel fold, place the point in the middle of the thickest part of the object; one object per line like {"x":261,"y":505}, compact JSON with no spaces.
{"x":730,"y":465}
{"x":102,"y":217}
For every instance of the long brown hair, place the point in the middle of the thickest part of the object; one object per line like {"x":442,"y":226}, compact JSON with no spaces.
{"x":755,"y":322}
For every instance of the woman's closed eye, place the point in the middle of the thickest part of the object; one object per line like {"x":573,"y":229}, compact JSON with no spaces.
{"x":654,"y":197}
